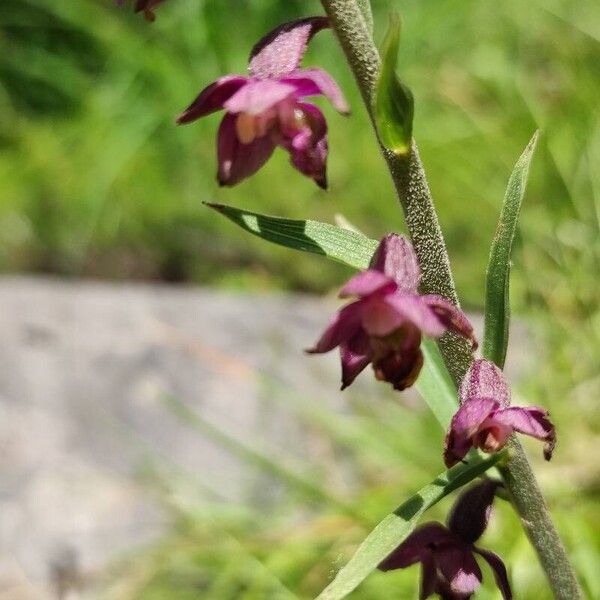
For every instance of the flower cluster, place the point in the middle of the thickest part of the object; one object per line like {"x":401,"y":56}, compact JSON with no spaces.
{"x":485,"y":419}
{"x":447,"y":554}
{"x":384,"y":326}
{"x":267,"y":109}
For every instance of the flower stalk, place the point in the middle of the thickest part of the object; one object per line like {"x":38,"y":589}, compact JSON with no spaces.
{"x":421,"y":219}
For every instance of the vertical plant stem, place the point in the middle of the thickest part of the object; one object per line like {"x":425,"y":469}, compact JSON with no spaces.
{"x":422,"y":223}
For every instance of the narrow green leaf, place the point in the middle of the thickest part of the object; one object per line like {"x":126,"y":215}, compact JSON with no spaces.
{"x":342,"y":245}
{"x":367,"y":13}
{"x":435,"y":384}
{"x":394,"y":103}
{"x":497,"y":305}
{"x":397,"y":526}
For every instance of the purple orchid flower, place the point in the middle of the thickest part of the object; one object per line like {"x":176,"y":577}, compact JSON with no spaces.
{"x":145,"y":6}
{"x":384,"y":326}
{"x":486,"y":420}
{"x":266,"y":110}
{"x":447,"y":554}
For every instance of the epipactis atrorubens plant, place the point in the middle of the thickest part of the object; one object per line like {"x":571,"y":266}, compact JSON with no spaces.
{"x":386,"y":323}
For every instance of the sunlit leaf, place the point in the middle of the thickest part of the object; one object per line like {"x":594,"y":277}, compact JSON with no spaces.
{"x":497,"y":305}
{"x":396,"y":527}
{"x":342,"y":245}
{"x":394,"y":104}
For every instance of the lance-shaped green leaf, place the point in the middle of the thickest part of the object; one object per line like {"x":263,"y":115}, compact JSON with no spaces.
{"x":397,"y":526}
{"x":497,"y":304}
{"x":342,"y":245}
{"x":435,"y":384}
{"x":394,"y":104}
{"x":367,"y":13}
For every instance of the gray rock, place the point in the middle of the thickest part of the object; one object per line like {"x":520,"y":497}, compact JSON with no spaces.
{"x":90,"y":374}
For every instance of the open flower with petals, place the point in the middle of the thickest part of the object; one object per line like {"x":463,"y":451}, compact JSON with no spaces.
{"x":447,"y":554}
{"x":267,"y":109}
{"x":384,"y":325}
{"x":145,"y":6}
{"x":486,"y":420}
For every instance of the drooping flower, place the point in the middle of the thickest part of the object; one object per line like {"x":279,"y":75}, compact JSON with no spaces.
{"x":447,"y":554}
{"x":145,"y":6}
{"x":384,"y":326}
{"x":266,"y":109}
{"x":486,"y":420}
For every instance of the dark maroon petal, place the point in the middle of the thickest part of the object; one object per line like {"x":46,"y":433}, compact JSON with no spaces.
{"x":212,"y":98}
{"x":414,"y":310}
{"x":343,"y":327}
{"x":412,"y":549}
{"x":428,"y":576}
{"x":471,"y":511}
{"x":398,"y":367}
{"x":459,"y":568}
{"x":396,"y":258}
{"x":485,"y":380}
{"x":281,"y":50}
{"x":532,"y":421}
{"x":236,"y":160}
{"x":355,"y":356}
{"x":367,"y":283}
{"x":464,"y":425}
{"x":258,"y":96}
{"x":452,"y":317}
{"x":314,"y":82}
{"x":499,"y":570}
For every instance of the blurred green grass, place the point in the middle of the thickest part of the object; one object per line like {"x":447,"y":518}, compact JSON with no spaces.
{"x":96,"y":181}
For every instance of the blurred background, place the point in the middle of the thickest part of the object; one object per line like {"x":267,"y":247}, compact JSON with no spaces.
{"x":163,"y":435}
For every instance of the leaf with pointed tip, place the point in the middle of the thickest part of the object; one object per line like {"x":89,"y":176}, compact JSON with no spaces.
{"x":342,"y":245}
{"x":497,"y":306}
{"x":397,"y":526}
{"x":394,"y":103}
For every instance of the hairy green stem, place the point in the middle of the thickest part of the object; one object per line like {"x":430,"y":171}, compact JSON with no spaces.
{"x":422,"y":223}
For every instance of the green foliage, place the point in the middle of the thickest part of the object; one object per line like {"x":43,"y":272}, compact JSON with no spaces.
{"x":497,"y":293}
{"x":394,"y":102}
{"x":343,"y":245}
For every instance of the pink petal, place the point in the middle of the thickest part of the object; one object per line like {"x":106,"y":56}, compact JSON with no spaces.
{"x":532,"y":421}
{"x":485,"y":379}
{"x":344,"y":325}
{"x":257,"y":96}
{"x":281,"y":50}
{"x":459,"y":568}
{"x":367,"y":283}
{"x":396,"y":258}
{"x":499,"y":570}
{"x":380,"y":317}
{"x":415,"y":310}
{"x":212,"y":98}
{"x":316,"y":82}
{"x":355,"y":355}
{"x":236,"y":160}
{"x":308,"y":146}
{"x":412,"y":549}
{"x":471,"y":512}
{"x":464,"y":425}
{"x":452,"y":317}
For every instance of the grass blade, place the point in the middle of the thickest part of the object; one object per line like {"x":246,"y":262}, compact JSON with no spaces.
{"x":497,"y":306}
{"x":396,"y":527}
